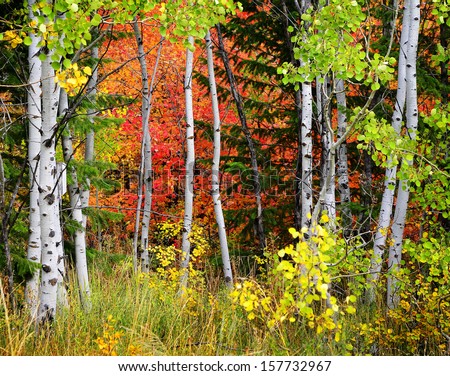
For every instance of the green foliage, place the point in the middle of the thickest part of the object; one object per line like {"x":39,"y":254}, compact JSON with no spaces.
{"x":377,"y":136}
{"x":101,"y":218}
{"x":441,"y":9}
{"x":327,"y":43}
{"x":420,"y":324}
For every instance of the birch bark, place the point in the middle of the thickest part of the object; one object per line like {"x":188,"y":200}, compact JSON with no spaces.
{"x":306,"y":146}
{"x":34,"y":142}
{"x":342,"y":162}
{"x":146,"y":149}
{"x":48,"y":203}
{"x":190,"y":161}
{"x":387,"y":201}
{"x":76,"y":212}
{"x":215,"y":180}
{"x":412,"y":118}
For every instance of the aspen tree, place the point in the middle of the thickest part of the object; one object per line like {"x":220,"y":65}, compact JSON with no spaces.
{"x":146,"y":149}
{"x":342,"y":162}
{"x":34,"y":142}
{"x":387,"y":201}
{"x":189,"y":166}
{"x":412,"y":118}
{"x":48,"y":203}
{"x":76,"y":213}
{"x":215,"y":179}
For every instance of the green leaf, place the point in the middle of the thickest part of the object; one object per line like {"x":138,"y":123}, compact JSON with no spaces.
{"x":96,"y":20}
{"x":47,"y":10}
{"x":56,"y":65}
{"x":27,"y":41}
{"x":67,"y":63}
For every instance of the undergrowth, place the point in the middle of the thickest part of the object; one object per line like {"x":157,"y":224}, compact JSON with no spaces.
{"x":297,"y":303}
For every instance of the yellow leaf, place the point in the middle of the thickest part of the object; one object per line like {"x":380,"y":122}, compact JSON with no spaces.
{"x":337,"y":336}
{"x":87,"y":70}
{"x":325,"y":218}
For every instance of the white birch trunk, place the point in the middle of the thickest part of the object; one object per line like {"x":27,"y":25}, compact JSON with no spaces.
{"x":34,"y":143}
{"x":342,"y":162}
{"x":48,"y":202}
{"x":190,"y":161}
{"x":147,"y":92}
{"x":76,"y":214}
{"x":387,"y":201}
{"x":328,"y":200}
{"x":215,"y":180}
{"x":306,"y":146}
{"x":62,"y":300}
{"x":412,"y":118}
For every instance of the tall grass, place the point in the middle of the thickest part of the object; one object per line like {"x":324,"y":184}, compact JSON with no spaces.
{"x":130,"y":316}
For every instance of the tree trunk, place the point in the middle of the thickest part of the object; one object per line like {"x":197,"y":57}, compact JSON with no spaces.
{"x":215,"y":179}
{"x":34,"y":142}
{"x":306,"y":146}
{"x":76,"y":212}
{"x":328,"y":200}
{"x":256,"y":181}
{"x":48,"y":203}
{"x":342,"y":162}
{"x":412,"y":118}
{"x":61,"y":182}
{"x":190,"y":161}
{"x":146,"y":157}
{"x":387,"y":201}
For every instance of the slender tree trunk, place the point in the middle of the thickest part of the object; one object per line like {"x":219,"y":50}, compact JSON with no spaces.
{"x":190,"y":161}
{"x":34,"y":142}
{"x":76,"y":214}
{"x":387,"y":201}
{"x":146,"y":149}
{"x":412,"y":118}
{"x":215,"y":179}
{"x":61,"y":182}
{"x":328,"y":200}
{"x":48,"y":203}
{"x":306,"y":147}
{"x":342,"y":162}
{"x":256,"y":181}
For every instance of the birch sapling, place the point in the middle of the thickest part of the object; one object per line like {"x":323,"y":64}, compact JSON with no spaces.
{"x":76,"y":214}
{"x":215,"y":183}
{"x":190,"y":161}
